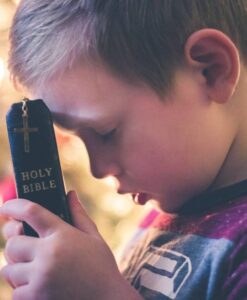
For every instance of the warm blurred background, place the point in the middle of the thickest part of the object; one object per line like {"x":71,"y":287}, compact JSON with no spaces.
{"x":115,"y":215}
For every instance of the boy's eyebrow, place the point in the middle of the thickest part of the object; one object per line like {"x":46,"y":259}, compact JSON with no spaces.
{"x":73,"y":123}
{"x":66,"y":121}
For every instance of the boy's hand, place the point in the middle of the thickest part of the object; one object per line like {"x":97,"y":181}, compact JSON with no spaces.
{"x":66,"y":262}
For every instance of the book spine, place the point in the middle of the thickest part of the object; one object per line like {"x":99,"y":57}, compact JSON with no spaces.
{"x":35,"y":159}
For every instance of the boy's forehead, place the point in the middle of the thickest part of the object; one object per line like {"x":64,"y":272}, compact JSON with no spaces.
{"x":91,"y":94}
{"x":73,"y":109}
{"x":79,"y":85}
{"x":70,"y":101}
{"x":91,"y":84}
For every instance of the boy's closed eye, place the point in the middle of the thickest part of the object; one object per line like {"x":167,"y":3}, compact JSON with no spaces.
{"x":107,"y":136}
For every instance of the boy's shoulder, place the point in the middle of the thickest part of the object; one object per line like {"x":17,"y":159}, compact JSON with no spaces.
{"x":222,"y":221}
{"x":189,"y":256}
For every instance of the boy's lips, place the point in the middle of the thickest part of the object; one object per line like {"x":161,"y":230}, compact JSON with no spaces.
{"x":140,"y":198}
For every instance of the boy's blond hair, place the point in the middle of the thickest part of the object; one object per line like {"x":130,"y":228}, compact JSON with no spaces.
{"x":138,"y":40}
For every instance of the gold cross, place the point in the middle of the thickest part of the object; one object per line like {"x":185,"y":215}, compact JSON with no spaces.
{"x":26,"y":130}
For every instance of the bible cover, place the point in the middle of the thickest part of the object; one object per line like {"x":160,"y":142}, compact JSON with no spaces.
{"x":35,"y":158}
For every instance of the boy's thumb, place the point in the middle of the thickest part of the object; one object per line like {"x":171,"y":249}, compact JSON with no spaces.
{"x":80,"y":219}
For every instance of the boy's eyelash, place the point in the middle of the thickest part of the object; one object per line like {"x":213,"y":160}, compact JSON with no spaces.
{"x":107,"y":136}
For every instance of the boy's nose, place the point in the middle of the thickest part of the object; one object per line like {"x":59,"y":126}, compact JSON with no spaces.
{"x":99,"y":171}
{"x":103,"y":165}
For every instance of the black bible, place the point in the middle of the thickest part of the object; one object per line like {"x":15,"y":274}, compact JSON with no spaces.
{"x":35,"y":158}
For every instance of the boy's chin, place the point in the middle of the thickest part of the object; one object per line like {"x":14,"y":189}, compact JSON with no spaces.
{"x":167,"y":207}
{"x":160,"y":204}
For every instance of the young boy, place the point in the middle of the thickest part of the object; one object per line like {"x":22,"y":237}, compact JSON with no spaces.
{"x":157,"y":91}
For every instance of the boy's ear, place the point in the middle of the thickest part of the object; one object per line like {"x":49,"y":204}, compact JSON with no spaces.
{"x":216,"y":57}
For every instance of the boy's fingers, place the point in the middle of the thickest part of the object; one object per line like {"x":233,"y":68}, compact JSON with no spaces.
{"x":21,"y":249}
{"x":17,"y":274}
{"x":12,"y":228}
{"x":79,"y":216}
{"x":39,"y":218}
{"x":22,"y":293}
